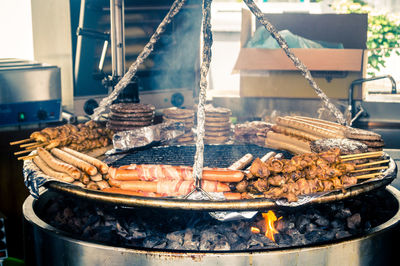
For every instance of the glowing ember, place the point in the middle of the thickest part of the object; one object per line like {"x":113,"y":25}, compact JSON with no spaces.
{"x":270,"y":219}
{"x":254,"y":230}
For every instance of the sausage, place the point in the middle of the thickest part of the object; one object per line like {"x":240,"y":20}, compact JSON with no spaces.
{"x":324,"y":122}
{"x":97,"y":152}
{"x":275,"y":144}
{"x":102,"y":184}
{"x":294,"y":132}
{"x":321,"y":123}
{"x":69,"y":158}
{"x":169,"y":187}
{"x":242,"y":162}
{"x":58,"y":165}
{"x":307,"y":127}
{"x":85,"y":179}
{"x":233,"y":195}
{"x":289,"y":140}
{"x":101,"y":166}
{"x":79,"y":184}
{"x":96,"y":178}
{"x":161,"y":172}
{"x":50,"y":172}
{"x":92,"y":185}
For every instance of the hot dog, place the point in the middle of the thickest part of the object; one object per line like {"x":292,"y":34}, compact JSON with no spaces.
{"x":51,"y":172}
{"x":233,"y":195}
{"x":242,"y":162}
{"x":321,"y":123}
{"x":58,"y":165}
{"x":228,"y":195}
{"x":309,"y":128}
{"x":102,"y":184}
{"x":161,"y":172}
{"x":169,"y":187}
{"x":75,"y":161}
{"x":97,"y":177}
{"x":295,"y":132}
{"x":281,"y":138}
{"x":79,"y":184}
{"x":324,"y":122}
{"x":275,"y":144}
{"x":102,"y":167}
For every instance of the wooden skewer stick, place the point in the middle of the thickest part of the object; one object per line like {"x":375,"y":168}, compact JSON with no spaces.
{"x":28,"y":144}
{"x":370,"y":169}
{"x":35,"y":145}
{"x":367,"y":176}
{"x":371,"y":163}
{"x":367,"y":155}
{"x":23,"y":151}
{"x":20,"y":141}
{"x":362,"y":155}
{"x":26,"y":157}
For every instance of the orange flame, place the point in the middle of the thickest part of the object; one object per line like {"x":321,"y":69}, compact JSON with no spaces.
{"x":270,"y":219}
{"x":255,"y":230}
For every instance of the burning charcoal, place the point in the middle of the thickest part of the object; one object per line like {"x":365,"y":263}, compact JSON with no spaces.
{"x":343,"y":213}
{"x":354,"y":221}
{"x":232,"y":237}
{"x":281,"y":225}
{"x":188,"y":242}
{"x":136,"y":232}
{"x":92,"y":220}
{"x":258,"y":241}
{"x":152,"y":241}
{"x":255,"y":242}
{"x":322,"y":221}
{"x":297,"y":237}
{"x":315,"y":236}
{"x":239,"y":246}
{"x":311,"y":227}
{"x":337,"y":224}
{"x":103,"y":234}
{"x":342,"y":234}
{"x":301,"y":223}
{"x":205,"y":245}
{"x":243,"y":230}
{"x":367,"y":226}
{"x":174,"y":245}
{"x":283,"y":240}
{"x":222,"y":245}
{"x":209,"y":235}
{"x":161,"y":245}
{"x":176,"y":236}
{"x":190,"y":245}
{"x":68,"y":213}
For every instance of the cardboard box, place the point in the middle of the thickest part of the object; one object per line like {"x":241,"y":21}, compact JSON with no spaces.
{"x":270,"y":73}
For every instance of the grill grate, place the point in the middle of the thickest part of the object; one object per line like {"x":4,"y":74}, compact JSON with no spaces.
{"x":214,"y":155}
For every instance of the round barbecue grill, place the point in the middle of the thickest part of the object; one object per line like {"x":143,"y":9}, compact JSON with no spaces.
{"x":214,"y":156}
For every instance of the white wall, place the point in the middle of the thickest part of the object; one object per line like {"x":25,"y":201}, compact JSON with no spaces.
{"x":16,"y":29}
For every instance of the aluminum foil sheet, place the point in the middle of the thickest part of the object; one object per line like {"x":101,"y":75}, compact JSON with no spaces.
{"x":157,"y":134}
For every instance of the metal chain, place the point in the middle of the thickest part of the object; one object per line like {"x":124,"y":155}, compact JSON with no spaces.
{"x":204,"y":68}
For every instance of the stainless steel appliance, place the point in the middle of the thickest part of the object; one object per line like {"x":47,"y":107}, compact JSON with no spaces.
{"x":30,"y":92}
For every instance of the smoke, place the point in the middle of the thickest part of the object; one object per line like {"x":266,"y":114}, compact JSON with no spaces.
{"x":176,"y":56}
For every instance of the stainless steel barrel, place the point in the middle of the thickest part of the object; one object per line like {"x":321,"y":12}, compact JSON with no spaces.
{"x":46,"y":245}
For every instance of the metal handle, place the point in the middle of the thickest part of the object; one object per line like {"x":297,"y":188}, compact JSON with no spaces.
{"x":351,"y":107}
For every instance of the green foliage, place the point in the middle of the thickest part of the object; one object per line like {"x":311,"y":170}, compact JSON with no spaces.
{"x":383,"y":32}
